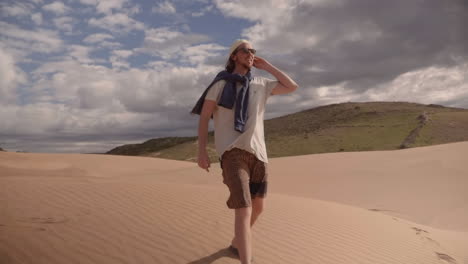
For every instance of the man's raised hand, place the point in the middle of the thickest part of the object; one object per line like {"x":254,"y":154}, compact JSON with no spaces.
{"x":261,"y":63}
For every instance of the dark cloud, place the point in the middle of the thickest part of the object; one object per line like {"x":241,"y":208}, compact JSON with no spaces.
{"x":369,"y":42}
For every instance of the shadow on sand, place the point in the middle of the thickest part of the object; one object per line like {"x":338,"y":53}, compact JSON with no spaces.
{"x":225,"y":252}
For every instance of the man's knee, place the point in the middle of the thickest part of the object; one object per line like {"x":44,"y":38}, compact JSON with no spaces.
{"x":243,"y":212}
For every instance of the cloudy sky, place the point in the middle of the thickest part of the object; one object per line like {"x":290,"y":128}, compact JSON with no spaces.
{"x":89,"y":75}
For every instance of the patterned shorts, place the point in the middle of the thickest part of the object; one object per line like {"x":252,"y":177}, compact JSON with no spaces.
{"x":245,"y":175}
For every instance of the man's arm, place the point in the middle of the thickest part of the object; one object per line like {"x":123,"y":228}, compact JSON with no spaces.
{"x":205,"y":116}
{"x":285,"y":85}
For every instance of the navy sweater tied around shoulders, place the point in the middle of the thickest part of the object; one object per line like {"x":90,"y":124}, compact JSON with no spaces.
{"x":229,"y":97}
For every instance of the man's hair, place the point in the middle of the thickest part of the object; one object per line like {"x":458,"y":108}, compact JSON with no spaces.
{"x":230,"y":64}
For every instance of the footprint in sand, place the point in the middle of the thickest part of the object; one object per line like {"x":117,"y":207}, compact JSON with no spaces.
{"x":45,"y":220}
{"x":424,"y":235}
{"x":381,"y":210}
{"x":446,"y":258}
{"x":32,"y":222}
{"x":419,"y":230}
{"x":441,"y":256}
{"x":49,"y":220}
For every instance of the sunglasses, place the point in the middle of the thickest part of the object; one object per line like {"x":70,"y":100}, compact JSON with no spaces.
{"x":246,"y":50}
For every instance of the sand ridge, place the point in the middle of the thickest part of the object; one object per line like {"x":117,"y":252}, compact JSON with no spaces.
{"x":71,"y":208}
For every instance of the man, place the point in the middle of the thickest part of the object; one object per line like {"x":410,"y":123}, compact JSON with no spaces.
{"x":236,"y":101}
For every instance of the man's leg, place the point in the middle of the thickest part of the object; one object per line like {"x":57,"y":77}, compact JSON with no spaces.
{"x":257,"y":209}
{"x":243,"y":233}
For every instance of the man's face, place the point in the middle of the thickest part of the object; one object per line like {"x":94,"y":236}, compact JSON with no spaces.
{"x":243,"y":56}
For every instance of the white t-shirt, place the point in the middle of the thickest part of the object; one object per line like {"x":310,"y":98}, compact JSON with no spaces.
{"x":253,"y":138}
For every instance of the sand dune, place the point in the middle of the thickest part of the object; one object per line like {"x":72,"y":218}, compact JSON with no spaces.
{"x":405,"y":206}
{"x":426,"y":185}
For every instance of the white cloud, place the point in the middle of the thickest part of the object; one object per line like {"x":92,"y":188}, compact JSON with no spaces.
{"x":438,"y":85}
{"x":110,"y":45}
{"x":278,"y":26}
{"x":47,"y":127}
{"x":167,"y":43}
{"x":119,"y":62}
{"x":56,"y":7}
{"x":16,"y":9}
{"x":10,"y":77}
{"x":96,"y":38}
{"x":203,"y":11}
{"x":67,"y":96}
{"x":447,"y":86}
{"x":89,"y":2}
{"x":27,"y":41}
{"x":63,"y":80}
{"x":117,"y":23}
{"x":101,"y":40}
{"x":156,"y":65}
{"x":272,"y":17}
{"x":164,"y":90}
{"x":123,"y":53}
{"x":120,"y":96}
{"x":37,"y":18}
{"x":32,"y":119}
{"x":139,"y":90}
{"x":97,"y":94}
{"x":118,"y":59}
{"x":162,"y":35}
{"x":257,"y":10}
{"x":107,"y":6}
{"x":80,"y":53}
{"x":165,"y":7}
{"x":198,"y":54}
{"x":133,"y":10}
{"x":64,"y":23}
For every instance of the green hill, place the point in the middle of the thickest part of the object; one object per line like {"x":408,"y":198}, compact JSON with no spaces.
{"x":334,"y":128}
{"x":149,"y":147}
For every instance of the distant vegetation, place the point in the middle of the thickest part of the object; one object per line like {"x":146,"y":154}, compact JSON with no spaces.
{"x":2,"y":149}
{"x":334,"y":128}
{"x":149,"y":147}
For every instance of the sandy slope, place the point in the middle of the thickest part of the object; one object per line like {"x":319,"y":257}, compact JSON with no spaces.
{"x":406,"y":206}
